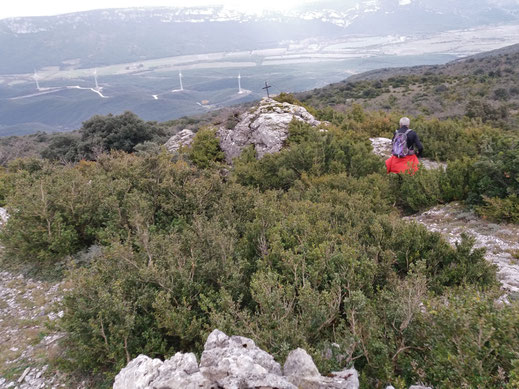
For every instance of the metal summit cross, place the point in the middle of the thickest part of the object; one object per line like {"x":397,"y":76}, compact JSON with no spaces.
{"x":267,"y":86}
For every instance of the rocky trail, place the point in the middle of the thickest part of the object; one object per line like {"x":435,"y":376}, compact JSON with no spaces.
{"x":27,"y":337}
{"x":500,"y":240}
{"x":451,"y":220}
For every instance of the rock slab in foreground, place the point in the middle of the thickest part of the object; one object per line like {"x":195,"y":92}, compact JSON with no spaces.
{"x":230,"y":363}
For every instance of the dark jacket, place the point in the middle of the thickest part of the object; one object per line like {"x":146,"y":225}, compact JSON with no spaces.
{"x":413,"y":142}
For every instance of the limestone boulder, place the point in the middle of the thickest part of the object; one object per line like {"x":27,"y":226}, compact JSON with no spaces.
{"x":231,"y":362}
{"x":265,"y":127}
{"x":138,"y":374}
{"x":237,"y":363}
{"x":183,"y":138}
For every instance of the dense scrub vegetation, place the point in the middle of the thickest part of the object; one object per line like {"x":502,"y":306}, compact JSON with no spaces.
{"x":102,"y":133}
{"x":303,"y":248}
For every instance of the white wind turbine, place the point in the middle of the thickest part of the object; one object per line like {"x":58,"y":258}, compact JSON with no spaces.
{"x":36,"y":79}
{"x":95,"y":79}
{"x":240,"y":91}
{"x":180,"y":81}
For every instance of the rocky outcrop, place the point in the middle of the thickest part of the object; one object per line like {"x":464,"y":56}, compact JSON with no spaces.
{"x":236,"y":362}
{"x":266,"y":128}
{"x":139,"y":373}
{"x":3,"y":216}
{"x":183,"y":138}
{"x":382,"y":147}
{"x":230,"y":362}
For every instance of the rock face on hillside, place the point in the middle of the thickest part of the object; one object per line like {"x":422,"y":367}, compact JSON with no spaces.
{"x":230,"y":363}
{"x":183,"y":138}
{"x":266,"y":128}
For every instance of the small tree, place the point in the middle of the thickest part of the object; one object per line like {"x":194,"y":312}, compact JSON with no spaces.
{"x":205,"y":149}
{"x":120,"y":132}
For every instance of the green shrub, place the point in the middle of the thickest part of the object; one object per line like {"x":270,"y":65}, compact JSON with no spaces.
{"x":500,"y":210}
{"x":205,"y":149}
{"x":120,"y":132}
{"x":419,"y":191}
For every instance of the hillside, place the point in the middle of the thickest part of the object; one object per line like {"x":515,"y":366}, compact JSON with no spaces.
{"x":278,"y":222}
{"x":305,"y":247}
{"x":482,"y":86}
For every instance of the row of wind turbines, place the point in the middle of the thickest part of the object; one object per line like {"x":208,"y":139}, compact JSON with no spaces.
{"x":98,"y":89}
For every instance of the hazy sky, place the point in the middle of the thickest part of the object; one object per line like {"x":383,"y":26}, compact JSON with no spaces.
{"x":13,"y":8}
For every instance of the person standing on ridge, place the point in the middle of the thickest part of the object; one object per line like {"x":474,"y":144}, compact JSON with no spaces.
{"x":406,"y":148}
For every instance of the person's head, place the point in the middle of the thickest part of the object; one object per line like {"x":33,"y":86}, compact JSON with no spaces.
{"x":405,"y":122}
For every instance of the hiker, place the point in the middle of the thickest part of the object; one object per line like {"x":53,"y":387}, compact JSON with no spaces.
{"x":406,"y":148}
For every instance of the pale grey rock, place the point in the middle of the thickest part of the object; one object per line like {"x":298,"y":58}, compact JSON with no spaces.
{"x":419,"y":387}
{"x":299,"y":363}
{"x":177,"y":380}
{"x":180,"y":371}
{"x":3,"y":216}
{"x":25,"y":372}
{"x":186,"y":363}
{"x":231,"y":362}
{"x":300,"y":370}
{"x":183,"y":138}
{"x":381,"y":146}
{"x":138,"y":374}
{"x":266,"y":128}
{"x":390,"y":387}
{"x":345,"y":379}
{"x":237,"y":363}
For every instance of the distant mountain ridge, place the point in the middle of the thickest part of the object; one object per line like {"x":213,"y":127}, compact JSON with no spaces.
{"x":101,"y":37}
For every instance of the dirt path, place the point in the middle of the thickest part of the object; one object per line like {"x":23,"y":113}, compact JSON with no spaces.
{"x":500,"y":240}
{"x":27,"y":312}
